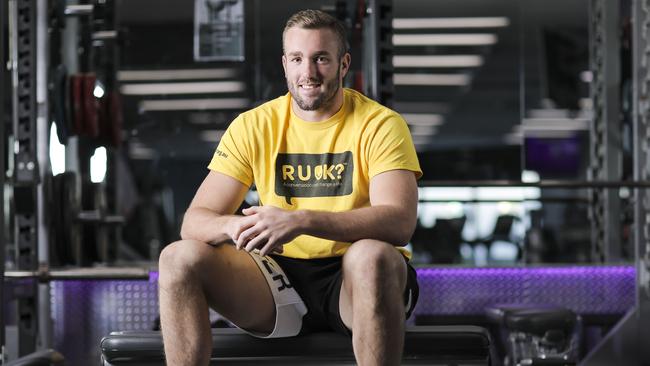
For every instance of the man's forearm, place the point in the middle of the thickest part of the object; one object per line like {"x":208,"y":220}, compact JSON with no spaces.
{"x":387,"y":223}
{"x":205,"y":225}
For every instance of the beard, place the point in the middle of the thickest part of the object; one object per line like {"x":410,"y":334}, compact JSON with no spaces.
{"x":324,"y":99}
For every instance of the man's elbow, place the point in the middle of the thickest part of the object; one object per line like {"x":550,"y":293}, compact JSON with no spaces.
{"x":402,"y":231}
{"x":402,"y":234}
{"x":184,"y":232}
{"x":185,"y":229}
{"x":404,"y":237}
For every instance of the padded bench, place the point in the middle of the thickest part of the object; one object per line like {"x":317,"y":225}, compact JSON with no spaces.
{"x":537,"y":334}
{"x":424,"y":345}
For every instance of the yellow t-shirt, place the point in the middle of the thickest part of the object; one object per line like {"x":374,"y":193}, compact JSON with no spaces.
{"x":326,"y":166}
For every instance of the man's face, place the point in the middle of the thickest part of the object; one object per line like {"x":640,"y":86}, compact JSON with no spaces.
{"x":312,"y":68}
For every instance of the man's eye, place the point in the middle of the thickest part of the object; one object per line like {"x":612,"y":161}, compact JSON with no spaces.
{"x":321,"y":59}
{"x":296,"y":59}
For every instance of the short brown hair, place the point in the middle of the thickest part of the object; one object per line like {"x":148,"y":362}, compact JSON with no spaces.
{"x":317,"y":19}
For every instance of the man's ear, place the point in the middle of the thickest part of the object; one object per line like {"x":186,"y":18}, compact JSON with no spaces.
{"x":345,"y":64}
{"x":284,"y":65}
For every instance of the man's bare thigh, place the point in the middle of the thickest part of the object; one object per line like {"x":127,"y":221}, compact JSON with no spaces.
{"x":236,"y":288}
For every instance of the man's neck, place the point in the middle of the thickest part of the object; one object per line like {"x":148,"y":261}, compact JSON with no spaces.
{"x":321,"y":114}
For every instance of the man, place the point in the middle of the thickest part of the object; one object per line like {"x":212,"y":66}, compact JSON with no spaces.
{"x":336,"y":176}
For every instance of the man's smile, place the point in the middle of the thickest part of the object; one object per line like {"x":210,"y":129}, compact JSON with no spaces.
{"x":310,"y":89}
{"x":308,"y":86}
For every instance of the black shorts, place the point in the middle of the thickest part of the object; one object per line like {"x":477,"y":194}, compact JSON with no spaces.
{"x":318,"y":282}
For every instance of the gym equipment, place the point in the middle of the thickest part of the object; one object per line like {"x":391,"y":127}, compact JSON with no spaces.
{"x":537,"y":334}
{"x":76,"y":103}
{"x":59,"y":92}
{"x":76,"y":92}
{"x":440,"y":243}
{"x":46,"y":357}
{"x":88,"y":304}
{"x":432,"y":345}
{"x":90,"y":106}
{"x":84,"y":104}
{"x":69,"y":222}
{"x":111,"y":119}
{"x":100,"y":273}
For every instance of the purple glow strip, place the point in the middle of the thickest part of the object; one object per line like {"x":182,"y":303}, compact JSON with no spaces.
{"x":584,"y":289}
{"x":153,"y":277}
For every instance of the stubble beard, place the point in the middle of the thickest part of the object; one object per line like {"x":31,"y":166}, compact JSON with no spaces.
{"x":323,"y":100}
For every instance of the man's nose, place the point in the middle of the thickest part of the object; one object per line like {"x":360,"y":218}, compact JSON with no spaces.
{"x":309,"y":68}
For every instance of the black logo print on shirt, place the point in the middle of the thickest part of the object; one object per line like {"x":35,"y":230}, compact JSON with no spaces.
{"x":313,"y":175}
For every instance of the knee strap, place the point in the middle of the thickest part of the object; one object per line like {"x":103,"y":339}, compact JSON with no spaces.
{"x":289,"y":307}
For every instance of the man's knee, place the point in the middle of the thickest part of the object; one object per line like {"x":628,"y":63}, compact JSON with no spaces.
{"x":183,"y":257}
{"x":376,"y":260}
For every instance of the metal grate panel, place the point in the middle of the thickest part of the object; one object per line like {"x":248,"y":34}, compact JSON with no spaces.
{"x":468,"y":291}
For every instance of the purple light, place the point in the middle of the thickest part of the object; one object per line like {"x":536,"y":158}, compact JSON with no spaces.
{"x":592,"y":290}
{"x":153,"y":277}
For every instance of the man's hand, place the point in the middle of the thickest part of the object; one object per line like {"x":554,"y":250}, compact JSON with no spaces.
{"x":266,"y":228}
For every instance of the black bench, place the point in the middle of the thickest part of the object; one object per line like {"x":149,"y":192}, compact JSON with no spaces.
{"x":537,"y":334}
{"x":424,"y":345}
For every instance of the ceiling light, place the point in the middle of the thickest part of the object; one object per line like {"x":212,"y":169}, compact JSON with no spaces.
{"x":423,"y":130}
{"x":477,"y":39}
{"x":555,"y":113}
{"x":478,"y":22}
{"x":438,"y":61}
{"x":549,"y":134}
{"x":423,"y":119}
{"x":422,"y":107}
{"x":554,"y":124}
{"x":431,"y":79}
{"x":193,"y":104}
{"x":181,"y":74}
{"x":548,"y":113}
{"x":183,"y":88}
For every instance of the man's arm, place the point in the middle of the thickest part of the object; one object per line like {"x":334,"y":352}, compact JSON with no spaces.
{"x":391,"y":217}
{"x":210,"y":216}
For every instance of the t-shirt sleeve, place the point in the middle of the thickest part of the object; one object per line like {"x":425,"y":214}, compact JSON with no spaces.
{"x":391,"y":147}
{"x":233,"y":154}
